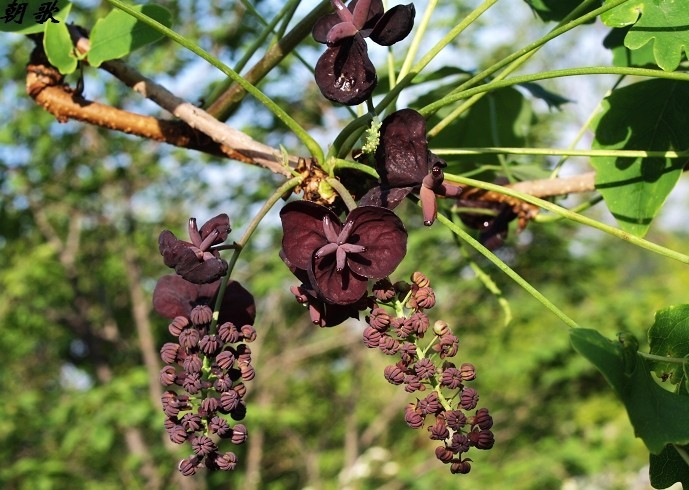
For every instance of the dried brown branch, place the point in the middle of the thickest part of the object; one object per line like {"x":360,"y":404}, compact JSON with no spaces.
{"x":46,"y":86}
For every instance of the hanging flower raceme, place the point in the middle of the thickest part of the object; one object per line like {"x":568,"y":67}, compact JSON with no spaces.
{"x":405,"y":164}
{"x":196,"y":261}
{"x":340,"y":258}
{"x":344,"y":73}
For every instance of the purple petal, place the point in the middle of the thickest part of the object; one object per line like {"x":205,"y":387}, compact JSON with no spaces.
{"x":385,"y":239}
{"x":341,"y":31}
{"x":385,"y":197}
{"x":395,"y":25}
{"x":302,"y":226}
{"x":221,"y":223}
{"x":429,"y":205}
{"x":341,"y":288}
{"x":237,"y":305}
{"x":360,"y":13}
{"x":322,"y":27}
{"x":402,"y":158}
{"x":173,"y":296}
{"x":345,"y":74}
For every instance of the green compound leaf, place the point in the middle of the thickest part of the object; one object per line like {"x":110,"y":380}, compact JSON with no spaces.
{"x":555,"y":10}
{"x":653,"y":116}
{"x":669,"y":337}
{"x":623,"y":56}
{"x":659,"y":417}
{"x":58,"y":47}
{"x":668,"y":468}
{"x":665,"y":23}
{"x":25,"y":17}
{"x":119,"y":33}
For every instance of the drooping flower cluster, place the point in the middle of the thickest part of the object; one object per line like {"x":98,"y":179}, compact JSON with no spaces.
{"x":344,"y":73}
{"x":449,"y":410}
{"x":405,"y":164}
{"x":206,"y":368}
{"x":335,"y":261}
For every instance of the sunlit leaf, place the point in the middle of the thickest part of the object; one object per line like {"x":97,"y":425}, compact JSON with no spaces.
{"x":28,"y":21}
{"x":652,"y":115}
{"x":664,"y":23}
{"x":58,"y":47}
{"x":658,"y":416}
{"x":669,"y":337}
{"x":623,"y":56}
{"x":119,"y":33}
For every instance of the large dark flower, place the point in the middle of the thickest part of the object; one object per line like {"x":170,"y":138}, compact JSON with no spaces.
{"x":173,"y":297}
{"x":405,"y":164}
{"x":344,"y":73}
{"x":196,"y":261}
{"x":322,"y":313}
{"x":339,"y":259}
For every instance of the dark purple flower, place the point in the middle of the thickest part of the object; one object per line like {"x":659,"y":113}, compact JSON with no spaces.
{"x":344,"y":73}
{"x":174,"y":297}
{"x":196,"y":261}
{"x":405,"y":164}
{"x":339,"y":259}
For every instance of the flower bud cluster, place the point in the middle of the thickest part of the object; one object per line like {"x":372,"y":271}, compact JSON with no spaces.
{"x":205,"y":375}
{"x":449,"y":409}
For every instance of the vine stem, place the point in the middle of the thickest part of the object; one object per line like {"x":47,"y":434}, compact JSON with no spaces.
{"x":566,"y":72}
{"x":561,"y":151}
{"x":342,"y":191}
{"x":570,"y":215}
{"x":310,"y":143}
{"x":239,"y":246}
{"x":671,"y":360}
{"x":507,"y":270}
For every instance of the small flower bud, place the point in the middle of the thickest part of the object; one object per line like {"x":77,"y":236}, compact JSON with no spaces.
{"x":420,"y":280}
{"x":469,"y":399}
{"x":229,"y":400}
{"x":248,"y":333}
{"x":424,"y":368}
{"x":383,"y":290}
{"x":412,"y":417}
{"x":191,"y":422}
{"x":468,"y":371}
{"x":394,"y":375}
{"x":419,"y":323}
{"x":203,"y":445}
{"x":192,"y":383}
{"x":481,"y":439}
{"x":193,"y":363}
{"x":219,"y":426}
{"x":371,"y":337}
{"x":226,"y":462}
{"x":424,"y":299}
{"x":209,"y":344}
{"x":439,"y":430}
{"x":168,"y":375}
{"x":201,"y":315}
{"x":168,"y":352}
{"x":177,"y":324}
{"x":240,"y":388}
{"x":440,"y":328}
{"x":482,"y":419}
{"x":462,"y":467}
{"x":388,"y":345}
{"x":455,"y":419}
{"x":451,"y":378}
{"x":402,"y":327}
{"x":239,"y":434}
{"x":248,"y":372}
{"x":177,"y":434}
{"x":444,"y":454}
{"x":228,"y":333}
{"x":379,"y":319}
{"x":460,"y":443}
{"x":188,"y":465}
{"x":189,"y":338}
{"x":225,"y":359}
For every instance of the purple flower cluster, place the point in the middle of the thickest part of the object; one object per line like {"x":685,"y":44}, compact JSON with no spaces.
{"x":344,"y":73}
{"x":335,"y":260}
{"x":205,"y":368}
{"x":449,"y":410}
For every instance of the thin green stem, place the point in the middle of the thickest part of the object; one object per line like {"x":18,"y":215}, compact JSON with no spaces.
{"x":310,"y":143}
{"x":572,"y":216}
{"x":576,"y":209}
{"x":239,"y":246}
{"x":561,"y":151}
{"x":342,"y":144}
{"x":340,"y":163}
{"x":567,"y":72}
{"x":671,"y":360}
{"x":514,"y":63}
{"x":507,"y":270}
{"x":432,"y":53}
{"x":342,"y":191}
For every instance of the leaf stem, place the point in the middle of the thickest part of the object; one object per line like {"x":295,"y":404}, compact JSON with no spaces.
{"x":560,"y":151}
{"x":310,"y":143}
{"x":566,"y":72}
{"x":507,"y":270}
{"x":570,"y":215}
{"x":340,"y":163}
{"x":671,"y":360}
{"x":342,"y":191}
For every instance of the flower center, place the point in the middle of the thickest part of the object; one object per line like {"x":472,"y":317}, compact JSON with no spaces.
{"x":337,"y":243}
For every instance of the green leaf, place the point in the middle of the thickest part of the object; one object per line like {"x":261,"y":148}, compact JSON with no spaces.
{"x":58,"y":47}
{"x":119,"y":33}
{"x":665,"y":23}
{"x":652,"y":115}
{"x":623,"y":56}
{"x":658,"y":416}
{"x":27,"y":23}
{"x":668,"y":468}
{"x":669,"y":337}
